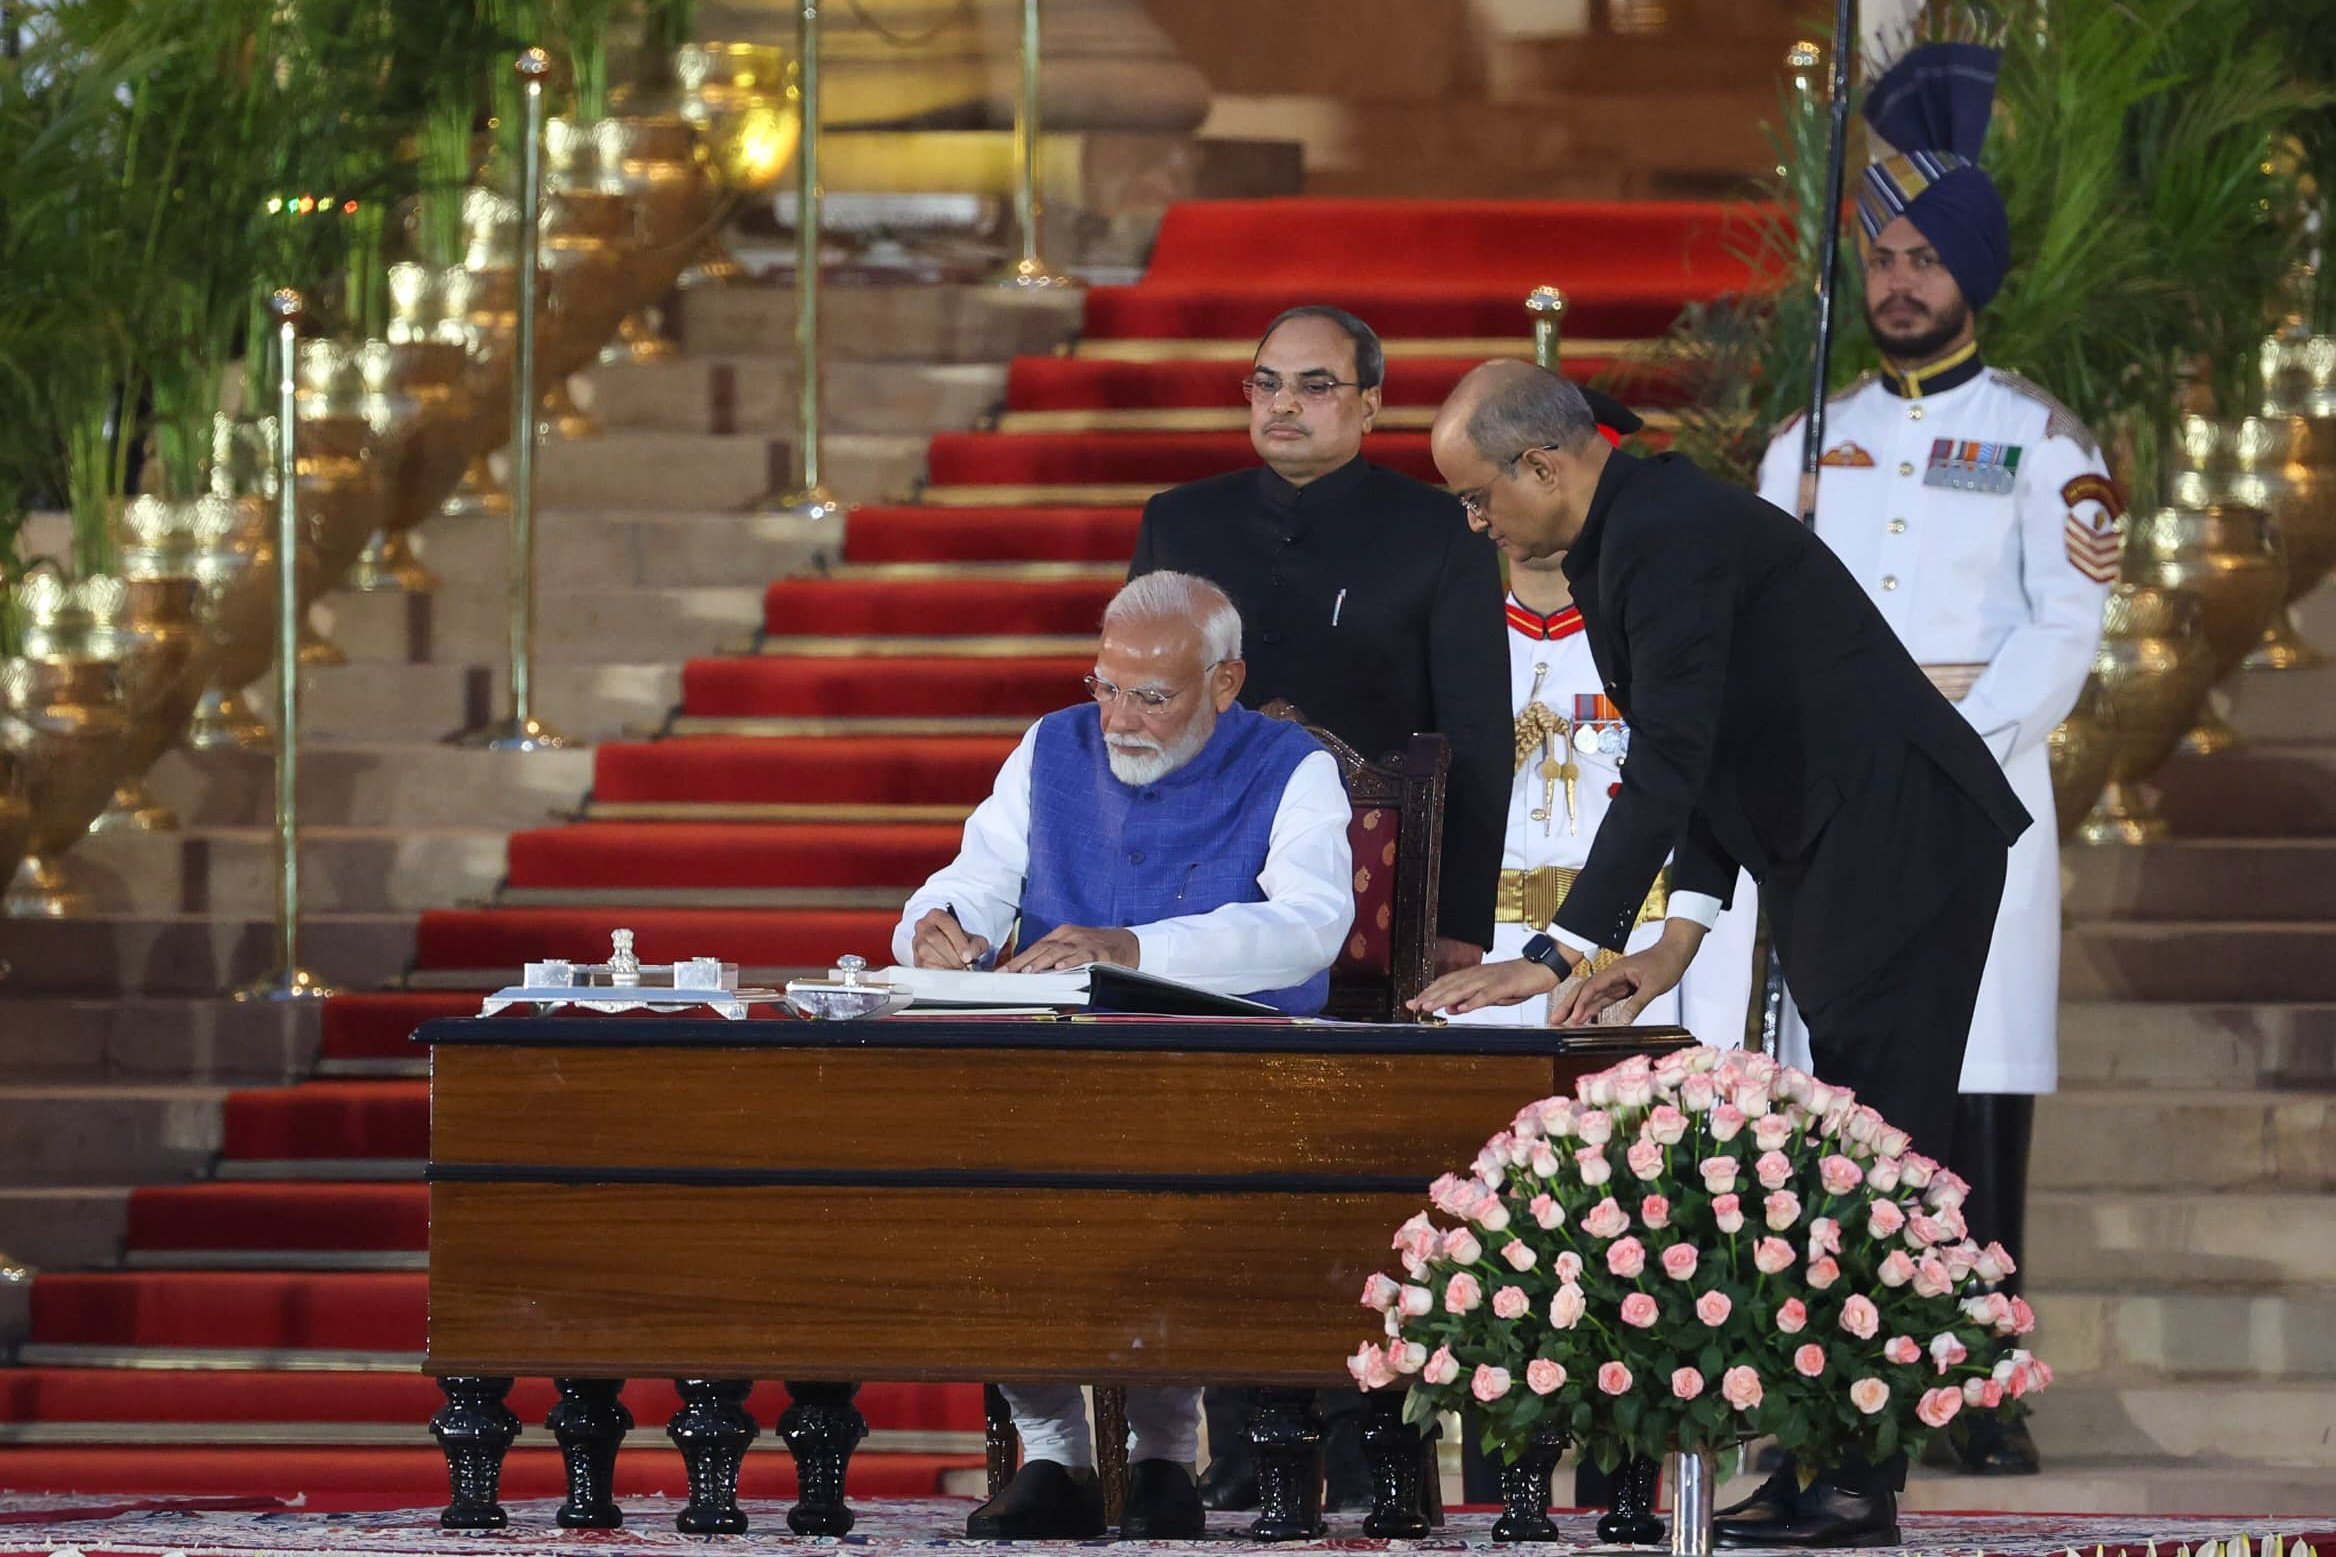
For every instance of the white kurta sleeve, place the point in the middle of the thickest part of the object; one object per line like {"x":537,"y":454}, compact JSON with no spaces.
{"x":2066,"y":529}
{"x":1308,"y":881}
{"x":1780,"y":469}
{"x":983,"y":885}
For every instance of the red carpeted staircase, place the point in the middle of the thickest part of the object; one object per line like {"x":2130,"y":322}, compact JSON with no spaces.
{"x":802,"y":791}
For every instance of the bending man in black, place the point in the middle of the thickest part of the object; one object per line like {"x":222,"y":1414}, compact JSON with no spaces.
{"x":1777,"y":724}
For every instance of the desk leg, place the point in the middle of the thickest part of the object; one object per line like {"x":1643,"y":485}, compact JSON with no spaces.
{"x":1286,"y":1431}
{"x":712,"y":1430}
{"x":590,"y":1422}
{"x":473,"y":1429}
{"x":822,"y":1428}
{"x":1399,"y":1454}
{"x":1525,"y":1488}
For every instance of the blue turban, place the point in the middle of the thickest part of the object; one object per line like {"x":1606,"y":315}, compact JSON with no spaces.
{"x":1933,"y":105}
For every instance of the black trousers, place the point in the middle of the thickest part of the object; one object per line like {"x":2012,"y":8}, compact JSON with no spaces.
{"x":1992,"y":1135}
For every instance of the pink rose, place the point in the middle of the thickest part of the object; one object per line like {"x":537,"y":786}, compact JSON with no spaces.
{"x":1809,"y":1361}
{"x":1774,"y":1170}
{"x":1490,"y":1382}
{"x":1567,"y":1307}
{"x":1727,"y":1122}
{"x":1556,"y":1115}
{"x":1380,"y":1292}
{"x":1823,"y":1273}
{"x":1915,"y":1170}
{"x":1442,"y":1368}
{"x":1492,"y":1163}
{"x":1938,"y":1407}
{"x":1882,"y":1177}
{"x":1772,"y":1255}
{"x":1634,"y":1089}
{"x":1885,"y":1219}
{"x":1645,"y":1159}
{"x":1543,"y":1160}
{"x":1896,"y":1269}
{"x":1839,"y":1175}
{"x":1770,"y":1132}
{"x":1591,"y":1161}
{"x":1510,"y":1302}
{"x":1567,"y":1266}
{"x":1983,"y":1393}
{"x":1544,"y":1377}
{"x":1893,"y":1143}
{"x":1626,"y":1257}
{"x":1416,"y":1240}
{"x":1518,"y":1256}
{"x":1655,"y":1211}
{"x":1713,"y":1308}
{"x":1902,"y":1349}
{"x":1869,"y":1395}
{"x":1548,"y":1215}
{"x":1931,"y":1279}
{"x":1923,"y":1231}
{"x":1792,"y":1316}
{"x":1595,"y":1127}
{"x":1753,"y":1101}
{"x":1640,"y":1312}
{"x":1741,"y":1388}
{"x":1719,"y":1174}
{"x":1728,"y":1212}
{"x":1991,"y":1309}
{"x":1824,"y":1236}
{"x":2023,"y":1317}
{"x":1491,"y":1215}
{"x":1948,"y":1191}
{"x":1605,"y":1219}
{"x":1686,"y":1384}
{"x":1666,"y":1126}
{"x":1462,"y":1294}
{"x":1946,"y":1350}
{"x":1994,"y":1263}
{"x":1415,"y":1301}
{"x":1679,"y":1261}
{"x":1460,"y":1245}
{"x":1958,"y":1258}
{"x":1406,"y":1356}
{"x":1860,"y":1317}
{"x":1446,"y":1195}
{"x":1369,"y":1366}
{"x":1697,"y":1094}
{"x":1613,"y":1379}
{"x":1783,"y":1209}
{"x":1864,"y":1127}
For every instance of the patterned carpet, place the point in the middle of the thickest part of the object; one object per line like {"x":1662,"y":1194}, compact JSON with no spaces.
{"x":56,"y":1527}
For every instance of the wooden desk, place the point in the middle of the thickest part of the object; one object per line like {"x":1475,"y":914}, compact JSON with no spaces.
{"x":1116,"y":1200}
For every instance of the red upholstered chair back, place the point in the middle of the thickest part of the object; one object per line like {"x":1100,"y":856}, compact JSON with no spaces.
{"x":1397,"y":835}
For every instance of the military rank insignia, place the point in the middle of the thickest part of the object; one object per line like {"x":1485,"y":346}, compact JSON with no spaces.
{"x":1847,"y":456}
{"x":2095,"y":545}
{"x":1993,"y":468}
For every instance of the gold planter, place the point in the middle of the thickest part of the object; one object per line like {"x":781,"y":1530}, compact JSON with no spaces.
{"x":168,"y":657}
{"x":2080,"y":748}
{"x":2229,"y":556}
{"x":2150,"y":674}
{"x":2284,"y":465}
{"x":419,"y":409}
{"x":2299,"y":376}
{"x":15,"y":812}
{"x":235,"y":567}
{"x":746,"y":101}
{"x":65,"y":696}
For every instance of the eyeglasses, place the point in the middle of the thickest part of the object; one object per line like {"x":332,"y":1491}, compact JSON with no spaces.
{"x":1150,"y":699}
{"x":1312,"y":390}
{"x":1473,"y":501}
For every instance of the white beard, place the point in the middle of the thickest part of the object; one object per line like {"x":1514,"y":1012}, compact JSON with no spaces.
{"x":1152,"y":761}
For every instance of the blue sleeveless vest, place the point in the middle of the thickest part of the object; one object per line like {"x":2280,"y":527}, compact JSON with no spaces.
{"x":1106,"y":854}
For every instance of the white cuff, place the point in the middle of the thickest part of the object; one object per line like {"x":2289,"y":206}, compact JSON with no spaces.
{"x":1694,"y":907}
{"x":1585,"y":946}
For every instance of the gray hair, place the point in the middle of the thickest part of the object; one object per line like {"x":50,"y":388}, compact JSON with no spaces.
{"x":1180,"y":597}
{"x":1529,"y":407}
{"x":1370,"y":356}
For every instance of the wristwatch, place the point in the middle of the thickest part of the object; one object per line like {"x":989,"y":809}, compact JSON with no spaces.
{"x":1545,"y":950}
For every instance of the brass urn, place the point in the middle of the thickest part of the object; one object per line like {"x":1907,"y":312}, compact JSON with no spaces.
{"x":656,"y":161}
{"x":235,"y":570}
{"x":2299,"y":375}
{"x":64,"y":696}
{"x":168,"y":657}
{"x":15,"y":811}
{"x":746,"y":101}
{"x":2230,"y":557}
{"x":2150,"y":674}
{"x":2284,"y":465}
{"x":413,"y":395}
{"x":2080,"y":748}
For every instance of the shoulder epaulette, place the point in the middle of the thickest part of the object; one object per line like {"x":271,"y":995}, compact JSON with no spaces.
{"x":2059,"y":420}
{"x":1835,"y":398}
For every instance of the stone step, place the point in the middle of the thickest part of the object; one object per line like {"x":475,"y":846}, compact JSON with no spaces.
{"x":231,"y":873}
{"x":95,"y":1135}
{"x":471,"y":623}
{"x":2076,"y":1483}
{"x":2094,"y":1337}
{"x":2152,"y":1139}
{"x":2245,"y":1423}
{"x":77,"y":1227}
{"x":669,"y":470}
{"x":1531,"y":70}
{"x":2204,"y":879}
{"x":421,"y":784}
{"x":912,"y":322}
{"x":600,"y":549}
{"x":2141,"y":1238}
{"x":417,"y":703}
{"x":760,"y":395}
{"x":2261,"y":789}
{"x":2293,"y":705}
{"x":186,"y":955}
{"x":187,"y":1041}
{"x":2105,"y":959}
{"x":2214,"y":1047}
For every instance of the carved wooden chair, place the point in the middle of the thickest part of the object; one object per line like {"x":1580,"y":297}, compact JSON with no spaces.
{"x":1390,"y":955}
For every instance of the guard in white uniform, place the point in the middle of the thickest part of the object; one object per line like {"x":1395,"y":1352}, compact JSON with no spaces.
{"x":1571,"y":744}
{"x":1979,"y":515}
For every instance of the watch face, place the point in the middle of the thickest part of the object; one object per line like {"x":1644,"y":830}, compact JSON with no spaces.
{"x":1540,"y":949}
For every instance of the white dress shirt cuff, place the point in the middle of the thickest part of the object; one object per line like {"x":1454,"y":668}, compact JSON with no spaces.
{"x":1694,"y":907}
{"x":1579,"y":943}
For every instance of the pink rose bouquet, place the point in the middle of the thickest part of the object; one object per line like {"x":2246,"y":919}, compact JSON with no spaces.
{"x":1696,"y":1249}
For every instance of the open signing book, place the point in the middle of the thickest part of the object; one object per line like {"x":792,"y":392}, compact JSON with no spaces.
{"x":1094,"y":986}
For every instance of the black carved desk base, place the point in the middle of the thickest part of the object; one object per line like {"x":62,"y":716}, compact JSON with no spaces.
{"x":1525,"y":1488}
{"x":822,"y":1427}
{"x":1400,"y":1467}
{"x":473,"y":1430}
{"x":590,"y":1423}
{"x":712,"y":1430}
{"x":1285,"y":1430}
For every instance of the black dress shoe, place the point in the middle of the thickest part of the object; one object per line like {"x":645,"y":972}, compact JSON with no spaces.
{"x":1163,"y":1504}
{"x":1229,"y":1485}
{"x":1820,"y":1515}
{"x":1044,"y":1502}
{"x":1991,"y":1446}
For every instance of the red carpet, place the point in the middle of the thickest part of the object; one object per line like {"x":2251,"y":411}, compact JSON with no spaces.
{"x":893,"y":686}
{"x":305,"y":1310}
{"x":991,"y":534}
{"x":330,"y":1119}
{"x":704,"y":854}
{"x":375,"y":1027}
{"x":934,"y":770}
{"x":503,"y":938}
{"x":249,"y":1214}
{"x":968,"y":605}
